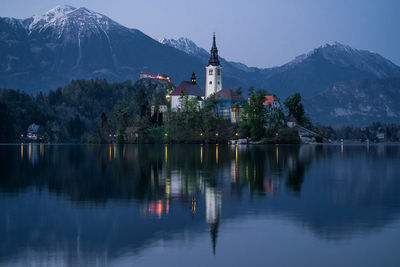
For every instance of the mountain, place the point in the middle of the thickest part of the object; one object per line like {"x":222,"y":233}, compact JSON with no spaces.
{"x":67,"y":43}
{"x":319,"y":69}
{"x":44,"y":52}
{"x":244,"y":76}
{"x":357,"y":102}
{"x":309,"y":73}
{"x":188,"y":46}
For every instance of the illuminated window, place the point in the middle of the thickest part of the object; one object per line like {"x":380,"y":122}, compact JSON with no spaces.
{"x":210,"y":72}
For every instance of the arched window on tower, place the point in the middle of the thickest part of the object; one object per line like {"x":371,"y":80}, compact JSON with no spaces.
{"x":210,"y":82}
{"x":210,"y":72}
{"x":219,"y":72}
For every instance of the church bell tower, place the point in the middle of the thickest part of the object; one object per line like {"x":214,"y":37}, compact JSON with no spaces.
{"x":213,"y":71}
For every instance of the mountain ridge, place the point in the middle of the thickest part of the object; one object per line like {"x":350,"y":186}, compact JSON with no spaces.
{"x":66,"y":43}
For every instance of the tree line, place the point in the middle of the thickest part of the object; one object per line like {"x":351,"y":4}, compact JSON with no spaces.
{"x":98,"y":111}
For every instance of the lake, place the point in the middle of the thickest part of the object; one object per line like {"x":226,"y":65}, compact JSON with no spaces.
{"x":199,"y":205}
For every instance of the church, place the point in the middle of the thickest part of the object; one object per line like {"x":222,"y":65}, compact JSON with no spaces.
{"x":227,"y":100}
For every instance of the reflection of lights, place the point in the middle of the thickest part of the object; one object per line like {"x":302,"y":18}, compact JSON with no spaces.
{"x":277,"y":153}
{"x":201,"y":153}
{"x":168,"y":187}
{"x":193,"y":206}
{"x":22,"y":150}
{"x":216,"y":154}
{"x":115,"y":151}
{"x":158,"y":207}
{"x":234,"y":174}
{"x":166,"y":153}
{"x":109,"y":149}
{"x":29,"y":151}
{"x":236,"y":154}
{"x":41,"y":149}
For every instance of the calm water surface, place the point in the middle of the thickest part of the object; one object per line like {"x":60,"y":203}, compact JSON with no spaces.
{"x":192,"y":205}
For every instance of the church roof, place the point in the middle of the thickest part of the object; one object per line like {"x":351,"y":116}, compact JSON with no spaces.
{"x":214,"y":61}
{"x":228,"y":94}
{"x":188,"y":88}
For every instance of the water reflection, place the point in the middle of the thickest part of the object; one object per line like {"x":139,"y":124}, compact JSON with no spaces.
{"x":100,"y":200}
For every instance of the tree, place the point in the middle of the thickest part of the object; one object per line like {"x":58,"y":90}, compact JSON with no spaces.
{"x":254,"y":117}
{"x":122,"y":118}
{"x":104,"y":129}
{"x":295,"y":107}
{"x":6,"y":124}
{"x":251,"y":90}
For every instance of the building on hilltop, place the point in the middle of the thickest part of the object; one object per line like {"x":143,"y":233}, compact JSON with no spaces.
{"x":186,"y":90}
{"x":213,"y":72}
{"x":229,"y":104}
{"x":144,"y":75}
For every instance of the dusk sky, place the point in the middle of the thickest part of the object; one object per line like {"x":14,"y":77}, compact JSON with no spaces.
{"x":257,"y":33}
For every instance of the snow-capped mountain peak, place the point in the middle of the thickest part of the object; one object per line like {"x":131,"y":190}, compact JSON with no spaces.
{"x":186,"y":45}
{"x":66,"y":22}
{"x":50,"y":16}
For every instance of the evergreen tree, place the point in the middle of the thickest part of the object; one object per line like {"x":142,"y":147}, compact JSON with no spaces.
{"x":295,"y":107}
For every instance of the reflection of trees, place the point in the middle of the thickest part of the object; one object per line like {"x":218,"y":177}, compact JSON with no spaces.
{"x":104,"y":174}
{"x":99,"y":173}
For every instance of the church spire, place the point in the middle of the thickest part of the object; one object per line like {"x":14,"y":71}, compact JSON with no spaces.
{"x":214,"y":61}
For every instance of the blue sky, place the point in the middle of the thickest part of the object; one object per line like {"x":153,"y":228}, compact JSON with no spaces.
{"x":261,"y":33}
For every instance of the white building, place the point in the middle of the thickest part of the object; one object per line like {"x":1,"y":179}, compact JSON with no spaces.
{"x":186,"y":91}
{"x":213,"y":72}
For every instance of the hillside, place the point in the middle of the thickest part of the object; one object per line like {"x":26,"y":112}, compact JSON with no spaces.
{"x":44,"y":52}
{"x":357,"y":102}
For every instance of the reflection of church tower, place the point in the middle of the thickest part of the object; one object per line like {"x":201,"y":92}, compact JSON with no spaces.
{"x":213,"y":213}
{"x":213,"y":72}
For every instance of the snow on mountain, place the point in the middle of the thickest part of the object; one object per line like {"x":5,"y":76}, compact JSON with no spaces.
{"x":346,"y":56}
{"x":186,"y":45}
{"x":189,"y":47}
{"x":69,"y":23}
{"x":50,"y":17}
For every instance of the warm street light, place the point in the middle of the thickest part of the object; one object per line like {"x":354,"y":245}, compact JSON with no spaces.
{"x":201,"y":134}
{"x":216,"y":134}
{"x":237,"y":134}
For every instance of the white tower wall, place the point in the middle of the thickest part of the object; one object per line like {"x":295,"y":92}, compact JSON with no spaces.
{"x":213,"y":79}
